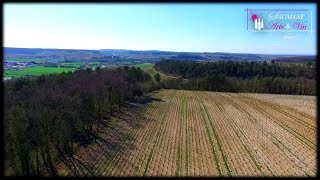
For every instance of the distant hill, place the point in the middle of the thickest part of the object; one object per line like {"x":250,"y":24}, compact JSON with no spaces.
{"x":297,"y":59}
{"x":146,"y":56}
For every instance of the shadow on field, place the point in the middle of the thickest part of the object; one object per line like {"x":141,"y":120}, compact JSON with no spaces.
{"x":112,"y":140}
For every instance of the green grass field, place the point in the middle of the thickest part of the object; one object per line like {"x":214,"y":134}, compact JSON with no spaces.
{"x":40,"y":70}
{"x":149,"y":68}
{"x":145,"y":65}
{"x":36,"y":71}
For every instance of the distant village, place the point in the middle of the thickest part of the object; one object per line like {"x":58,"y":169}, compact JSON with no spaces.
{"x":16,"y":65}
{"x":11,"y":65}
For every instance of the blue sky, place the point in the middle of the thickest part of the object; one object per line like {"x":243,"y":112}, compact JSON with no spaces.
{"x":172,"y":27}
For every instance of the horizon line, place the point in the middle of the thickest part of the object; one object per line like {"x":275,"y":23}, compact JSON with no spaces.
{"x":165,"y":51}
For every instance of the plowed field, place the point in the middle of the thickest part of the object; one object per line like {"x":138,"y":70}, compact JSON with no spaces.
{"x":197,"y":133}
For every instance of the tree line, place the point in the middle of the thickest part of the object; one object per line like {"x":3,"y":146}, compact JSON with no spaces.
{"x":235,"y":76}
{"x":45,"y":116}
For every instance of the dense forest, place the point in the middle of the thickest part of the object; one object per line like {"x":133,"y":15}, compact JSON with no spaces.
{"x":235,"y":76}
{"x":297,"y":59}
{"x":45,"y":116}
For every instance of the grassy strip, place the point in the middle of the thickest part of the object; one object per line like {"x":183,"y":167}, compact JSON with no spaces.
{"x":179,"y":159}
{"x":210,"y":139}
{"x":178,"y":170}
{"x":149,"y":68}
{"x":144,"y":65}
{"x":218,"y":139}
{"x":187,"y":139}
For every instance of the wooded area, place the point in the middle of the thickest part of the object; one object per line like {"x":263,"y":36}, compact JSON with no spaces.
{"x":231,"y":76}
{"x":45,"y":116}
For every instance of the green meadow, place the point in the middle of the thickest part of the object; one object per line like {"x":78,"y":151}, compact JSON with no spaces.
{"x":145,"y":65}
{"x":36,"y":71}
{"x":149,"y":68}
